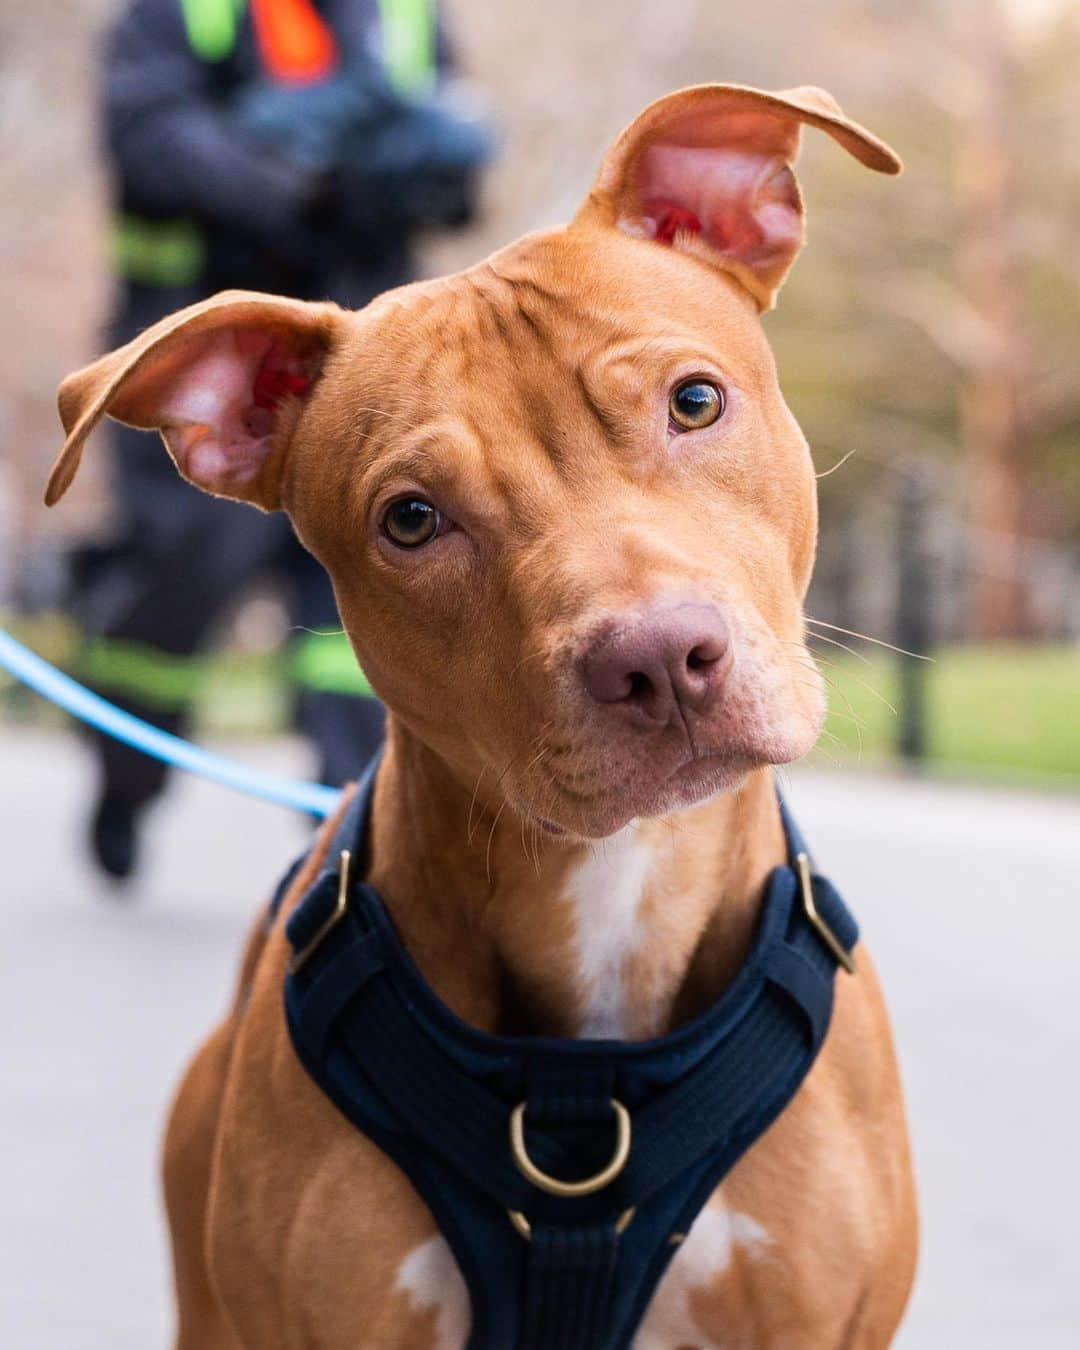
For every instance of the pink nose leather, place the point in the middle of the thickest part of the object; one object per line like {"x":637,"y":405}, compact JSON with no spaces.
{"x":659,"y":662}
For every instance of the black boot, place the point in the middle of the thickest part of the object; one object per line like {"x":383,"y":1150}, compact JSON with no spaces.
{"x":128,"y":782}
{"x":114,"y":836}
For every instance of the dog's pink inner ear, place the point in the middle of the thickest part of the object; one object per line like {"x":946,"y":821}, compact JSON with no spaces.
{"x":742,"y":203}
{"x":707,"y":171}
{"x":216,"y":398}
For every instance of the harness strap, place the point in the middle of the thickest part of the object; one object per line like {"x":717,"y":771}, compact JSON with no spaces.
{"x":359,"y":958}
{"x":422,"y":1085}
{"x":568,"y":1282}
{"x":439,"y":1097}
{"x":569,"y":1268}
{"x":424,"y":1090}
{"x":682,"y":1124}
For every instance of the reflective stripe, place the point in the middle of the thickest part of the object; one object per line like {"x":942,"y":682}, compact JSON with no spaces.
{"x":158,"y":252}
{"x":161,"y":679}
{"x":211,"y":26}
{"x":408,"y":33}
{"x":295,"y":43}
{"x":408,"y":40}
{"x":324,"y":662}
{"x":173,"y":252}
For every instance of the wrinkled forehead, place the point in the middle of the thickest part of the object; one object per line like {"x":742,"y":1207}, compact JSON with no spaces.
{"x":554,"y":332}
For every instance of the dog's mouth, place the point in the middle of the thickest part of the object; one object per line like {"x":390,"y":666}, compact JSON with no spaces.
{"x":640,"y":791}
{"x":702,"y":766}
{"x":703,"y":773}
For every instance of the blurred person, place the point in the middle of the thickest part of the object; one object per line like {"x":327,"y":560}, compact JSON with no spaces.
{"x":296,"y":146}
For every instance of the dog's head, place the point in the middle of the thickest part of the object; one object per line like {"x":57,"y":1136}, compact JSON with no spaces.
{"x":569,"y":518}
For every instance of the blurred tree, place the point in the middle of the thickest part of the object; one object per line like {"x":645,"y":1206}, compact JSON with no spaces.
{"x":953,"y":308}
{"x":995,"y":369}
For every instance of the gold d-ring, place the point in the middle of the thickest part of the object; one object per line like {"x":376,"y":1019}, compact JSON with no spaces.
{"x":806,"y":886}
{"x":553,"y":1186}
{"x":298,"y":958}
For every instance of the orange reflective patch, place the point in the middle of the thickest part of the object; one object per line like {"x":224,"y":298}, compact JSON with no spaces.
{"x":295,"y":43}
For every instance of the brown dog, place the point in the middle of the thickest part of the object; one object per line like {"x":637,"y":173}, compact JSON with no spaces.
{"x":570,"y":523}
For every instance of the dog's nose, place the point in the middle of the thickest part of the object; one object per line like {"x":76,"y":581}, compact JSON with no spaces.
{"x":661,"y":660}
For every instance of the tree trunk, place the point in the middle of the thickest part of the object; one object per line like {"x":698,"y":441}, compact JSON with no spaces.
{"x":993,"y":415}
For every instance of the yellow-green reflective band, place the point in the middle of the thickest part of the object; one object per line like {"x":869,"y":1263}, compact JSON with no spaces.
{"x":161,"y":679}
{"x":408,"y":33}
{"x":324,"y":662}
{"x":211,"y":26}
{"x":158,"y":252}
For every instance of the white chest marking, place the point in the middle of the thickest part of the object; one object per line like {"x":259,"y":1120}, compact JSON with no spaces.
{"x":701,"y":1258}
{"x":606,"y":891}
{"x":430,"y":1277}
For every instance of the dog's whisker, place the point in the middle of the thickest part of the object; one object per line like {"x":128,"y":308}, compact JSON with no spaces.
{"x":472,"y":804}
{"x":825,"y":473}
{"x":874,"y":693}
{"x":865,"y":637}
{"x":846,"y":714}
{"x":524,"y":845}
{"x":832,"y":687}
{"x":822,"y":637}
{"x":834,"y":739}
{"x":534,"y":828}
{"x":529,"y":656}
{"x":850,"y":716}
{"x":820,"y":750}
{"x":839,"y":742}
{"x":497,"y":785}
{"x":490,"y":840}
{"x":385,"y":412}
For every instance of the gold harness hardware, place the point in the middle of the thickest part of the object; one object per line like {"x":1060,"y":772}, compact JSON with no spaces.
{"x":298,"y":958}
{"x":802,"y":865}
{"x":570,"y":1189}
{"x":523,"y":1227}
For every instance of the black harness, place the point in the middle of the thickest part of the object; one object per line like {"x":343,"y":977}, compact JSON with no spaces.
{"x":562,"y":1173}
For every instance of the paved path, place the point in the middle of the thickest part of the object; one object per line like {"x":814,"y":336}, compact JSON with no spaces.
{"x":969,"y":899}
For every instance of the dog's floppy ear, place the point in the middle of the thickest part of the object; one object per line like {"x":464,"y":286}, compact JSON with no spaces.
{"x":708,"y":170}
{"x":223,"y":381}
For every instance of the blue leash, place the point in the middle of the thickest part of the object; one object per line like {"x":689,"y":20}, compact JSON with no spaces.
{"x":95,"y":711}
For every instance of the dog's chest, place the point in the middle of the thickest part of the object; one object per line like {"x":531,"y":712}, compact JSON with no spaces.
{"x":605,"y":892}
{"x":635,"y":907}
{"x":699,"y":1276}
{"x":700,"y":1268}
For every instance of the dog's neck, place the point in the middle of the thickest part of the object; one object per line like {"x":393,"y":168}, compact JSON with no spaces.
{"x":522,"y":932}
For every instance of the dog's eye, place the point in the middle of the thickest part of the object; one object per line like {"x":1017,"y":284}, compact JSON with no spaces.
{"x":695,"y":404}
{"x":410,"y":522}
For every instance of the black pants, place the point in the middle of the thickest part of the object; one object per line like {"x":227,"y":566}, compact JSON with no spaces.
{"x":179,"y":564}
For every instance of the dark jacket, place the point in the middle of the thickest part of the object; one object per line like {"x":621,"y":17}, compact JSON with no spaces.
{"x":240,"y":211}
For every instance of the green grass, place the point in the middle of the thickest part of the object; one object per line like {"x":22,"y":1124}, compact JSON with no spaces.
{"x":1001,"y":709}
